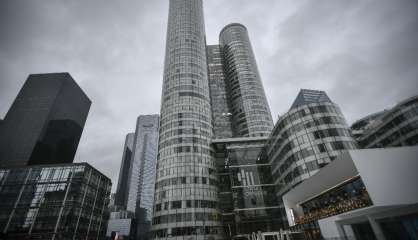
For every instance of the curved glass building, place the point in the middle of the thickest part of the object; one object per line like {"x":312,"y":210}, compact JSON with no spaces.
{"x":395,"y":127}
{"x":185,"y":200}
{"x":250,"y":111}
{"x":309,"y":136}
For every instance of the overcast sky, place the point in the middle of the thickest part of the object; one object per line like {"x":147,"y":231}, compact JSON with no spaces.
{"x":364,"y":53}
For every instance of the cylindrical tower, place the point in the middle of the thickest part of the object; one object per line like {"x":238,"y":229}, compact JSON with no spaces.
{"x":250,"y":110}
{"x":185,"y":200}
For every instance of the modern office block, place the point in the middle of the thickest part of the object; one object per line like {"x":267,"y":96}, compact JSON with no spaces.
{"x":60,"y":201}
{"x":363,"y":194}
{"x":397,"y":126}
{"x":141,"y":174}
{"x":221,"y":113}
{"x":122,"y":191}
{"x":309,"y":136}
{"x":307,"y":96}
{"x":306,"y":138}
{"x":247,"y":197}
{"x":250,"y":110}
{"x":45,"y":122}
{"x":184,"y":159}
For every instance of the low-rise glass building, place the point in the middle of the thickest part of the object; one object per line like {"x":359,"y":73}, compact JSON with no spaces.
{"x":64,"y":201}
{"x":247,"y":196}
{"x":309,"y":136}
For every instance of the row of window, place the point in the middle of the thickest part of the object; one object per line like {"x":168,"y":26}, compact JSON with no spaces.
{"x":319,"y":148}
{"x":182,"y":115}
{"x":319,"y":134}
{"x":289,"y":118}
{"x":390,"y":126}
{"x":180,"y":140}
{"x":186,"y":231}
{"x":186,"y":204}
{"x":204,"y":191}
{"x":185,"y":180}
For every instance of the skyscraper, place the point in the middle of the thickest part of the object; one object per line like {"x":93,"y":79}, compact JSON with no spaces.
{"x":45,"y":122}
{"x":185,"y":166}
{"x":250,"y":110}
{"x":142,"y":171}
{"x":122,"y":191}
{"x":221,"y":113}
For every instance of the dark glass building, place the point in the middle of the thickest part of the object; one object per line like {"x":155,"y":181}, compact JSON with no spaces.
{"x":247,"y":197}
{"x":45,"y":122}
{"x":122,"y":190}
{"x":394,"y":127}
{"x":61,"y":201}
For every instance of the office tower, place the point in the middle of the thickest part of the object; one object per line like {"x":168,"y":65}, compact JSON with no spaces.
{"x":142,"y":172}
{"x":122,"y":190}
{"x":250,"y":111}
{"x":397,"y":126}
{"x":185,"y":166}
{"x":51,"y":202}
{"x":221,"y":113}
{"x":309,"y":136}
{"x":247,"y":197}
{"x":45,"y":122}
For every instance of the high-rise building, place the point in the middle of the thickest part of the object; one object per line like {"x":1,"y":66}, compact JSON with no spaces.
{"x":142,"y":174}
{"x":135,"y":192}
{"x":185,"y":165}
{"x":53,"y":201}
{"x":45,"y":122}
{"x":309,"y":136}
{"x":209,"y":92}
{"x":221,"y":113}
{"x":394,"y":127}
{"x":122,"y":190}
{"x":250,"y":111}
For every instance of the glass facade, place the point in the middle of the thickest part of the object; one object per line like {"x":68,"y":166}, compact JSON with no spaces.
{"x":142,"y":173}
{"x":122,"y":191}
{"x":246,"y":191}
{"x":390,"y":128}
{"x":306,"y":138}
{"x":185,"y":132}
{"x":250,"y":111}
{"x":67,"y":201}
{"x":45,"y":122}
{"x":221,"y":113}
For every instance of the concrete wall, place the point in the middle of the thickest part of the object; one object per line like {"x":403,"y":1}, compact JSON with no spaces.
{"x":390,"y":175}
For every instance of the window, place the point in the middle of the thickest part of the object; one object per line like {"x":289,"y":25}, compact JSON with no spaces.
{"x":175,"y":204}
{"x":158,"y":207}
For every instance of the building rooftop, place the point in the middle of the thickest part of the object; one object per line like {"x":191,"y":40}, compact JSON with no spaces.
{"x":307,"y":96}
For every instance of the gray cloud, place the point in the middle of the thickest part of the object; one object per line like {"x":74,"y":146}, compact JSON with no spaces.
{"x":363,"y":53}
